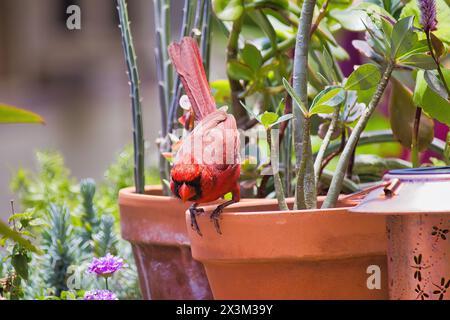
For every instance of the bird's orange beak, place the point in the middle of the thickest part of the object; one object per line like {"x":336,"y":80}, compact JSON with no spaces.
{"x":186,"y":192}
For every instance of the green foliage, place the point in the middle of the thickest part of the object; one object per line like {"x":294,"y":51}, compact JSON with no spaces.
{"x":433,"y":102}
{"x":106,"y":239}
{"x":364,"y":77}
{"x":17,"y":237}
{"x":327,"y":100}
{"x":402,"y":112}
{"x":71,"y":223}
{"x":61,"y":246}
{"x":10,"y":114}
{"x":228,"y":10}
{"x":89,"y":217}
{"x":52,"y":184}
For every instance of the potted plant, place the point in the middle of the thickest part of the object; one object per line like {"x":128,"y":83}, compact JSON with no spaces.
{"x":308,"y":246}
{"x":151,"y":220}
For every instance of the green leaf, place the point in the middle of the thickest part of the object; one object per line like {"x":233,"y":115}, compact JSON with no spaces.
{"x":20,"y":263}
{"x":278,"y":4}
{"x":349,"y":19}
{"x":221,"y":91}
{"x":295,"y":97}
{"x":17,"y":237}
{"x":431,"y":102}
{"x":10,"y":114}
{"x":268,"y":118}
{"x":402,"y":112}
{"x":418,"y":56}
{"x":434,"y":82}
{"x":252,"y":57}
{"x":239,"y":71}
{"x":365,"y":77}
{"x":420,"y":60}
{"x":228,"y":10}
{"x":283,"y":118}
{"x":264,"y":23}
{"x":327,"y":100}
{"x":373,"y":9}
{"x":403,"y":37}
{"x":438,"y":46}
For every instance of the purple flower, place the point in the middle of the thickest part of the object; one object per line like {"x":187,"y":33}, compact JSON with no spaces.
{"x":100,"y":295}
{"x":105,"y":266}
{"x":428,"y":14}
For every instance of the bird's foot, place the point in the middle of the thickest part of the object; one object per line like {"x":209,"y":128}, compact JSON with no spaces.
{"x":215,"y":216}
{"x":194,"y":211}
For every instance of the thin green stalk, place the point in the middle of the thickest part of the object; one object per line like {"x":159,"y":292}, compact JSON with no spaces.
{"x":232,"y":53}
{"x":205,"y":44}
{"x":415,"y":160}
{"x":336,"y":183}
{"x":138,"y":135}
{"x":325,"y":143}
{"x":162,"y":33}
{"x":287,"y":159}
{"x":168,"y":74}
{"x":438,"y":64}
{"x":322,"y":14}
{"x":159,"y":58}
{"x":176,"y":89}
{"x":272,"y":139}
{"x":305,"y":194}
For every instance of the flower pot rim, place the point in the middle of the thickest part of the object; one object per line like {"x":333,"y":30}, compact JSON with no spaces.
{"x":301,"y":235}
{"x":245,"y":203}
{"x":130,"y":192}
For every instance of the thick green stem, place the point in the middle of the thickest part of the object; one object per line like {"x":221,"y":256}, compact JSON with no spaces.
{"x":305,"y":192}
{"x":415,"y":159}
{"x":325,"y":144}
{"x":272,"y":140}
{"x":305,"y":189}
{"x":138,"y":135}
{"x":336,"y":183}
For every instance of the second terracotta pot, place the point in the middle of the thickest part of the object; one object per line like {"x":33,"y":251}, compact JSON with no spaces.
{"x":264,"y":253}
{"x":154,"y":225}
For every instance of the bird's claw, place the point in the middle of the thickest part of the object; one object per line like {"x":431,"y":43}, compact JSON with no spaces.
{"x":194,"y":225}
{"x":215,"y":216}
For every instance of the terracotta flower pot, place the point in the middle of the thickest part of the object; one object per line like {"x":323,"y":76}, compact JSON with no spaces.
{"x":264,"y":253}
{"x":155,"y":227}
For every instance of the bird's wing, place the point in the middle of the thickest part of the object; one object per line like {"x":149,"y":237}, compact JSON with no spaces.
{"x":214,"y":141}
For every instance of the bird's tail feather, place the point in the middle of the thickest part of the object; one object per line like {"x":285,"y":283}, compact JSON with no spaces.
{"x":187,"y":61}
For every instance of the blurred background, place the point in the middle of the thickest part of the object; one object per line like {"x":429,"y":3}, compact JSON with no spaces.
{"x":76,"y":80}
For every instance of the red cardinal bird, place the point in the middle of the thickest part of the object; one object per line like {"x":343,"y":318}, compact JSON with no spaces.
{"x":207,"y":165}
